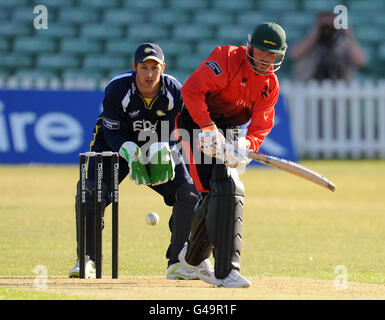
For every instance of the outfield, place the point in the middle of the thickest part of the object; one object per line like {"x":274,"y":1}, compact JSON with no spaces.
{"x":295,"y":235}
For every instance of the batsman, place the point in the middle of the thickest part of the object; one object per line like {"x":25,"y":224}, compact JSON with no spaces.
{"x":139,"y":111}
{"x":233,"y":86}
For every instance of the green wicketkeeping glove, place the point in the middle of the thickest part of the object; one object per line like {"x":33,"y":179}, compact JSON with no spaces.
{"x":162,"y":165}
{"x":132,"y":153}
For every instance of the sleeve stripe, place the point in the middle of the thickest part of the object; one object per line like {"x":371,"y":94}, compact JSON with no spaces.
{"x":123,"y":75}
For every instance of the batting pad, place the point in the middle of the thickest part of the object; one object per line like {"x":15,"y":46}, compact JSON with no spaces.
{"x":224,"y":219}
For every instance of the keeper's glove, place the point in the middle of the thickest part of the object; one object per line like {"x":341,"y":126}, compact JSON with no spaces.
{"x":212,"y":142}
{"x":132,"y":153}
{"x":162,"y":165}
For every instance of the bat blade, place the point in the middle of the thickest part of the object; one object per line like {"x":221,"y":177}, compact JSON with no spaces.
{"x":293,"y":168}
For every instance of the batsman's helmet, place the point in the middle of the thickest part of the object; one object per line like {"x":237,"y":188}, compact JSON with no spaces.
{"x":267,"y":36}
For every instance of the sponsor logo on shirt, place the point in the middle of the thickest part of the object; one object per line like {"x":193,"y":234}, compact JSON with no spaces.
{"x":266,"y":91}
{"x":134,"y":114}
{"x":214,"y":66}
{"x":141,"y":125}
{"x":111,"y":124}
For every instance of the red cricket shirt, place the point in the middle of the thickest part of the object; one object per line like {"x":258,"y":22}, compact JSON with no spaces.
{"x":224,"y":85}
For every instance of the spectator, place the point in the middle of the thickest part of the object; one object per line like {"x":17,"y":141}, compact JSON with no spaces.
{"x":327,"y":52}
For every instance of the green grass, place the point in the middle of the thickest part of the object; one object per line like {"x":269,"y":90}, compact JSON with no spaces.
{"x":301,"y":229}
{"x":16,"y":294}
{"x":291,"y":226}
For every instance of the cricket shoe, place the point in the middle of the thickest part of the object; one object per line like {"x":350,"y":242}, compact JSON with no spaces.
{"x":204,"y":270}
{"x":90,"y":272}
{"x":235,"y":280}
{"x":178,"y":271}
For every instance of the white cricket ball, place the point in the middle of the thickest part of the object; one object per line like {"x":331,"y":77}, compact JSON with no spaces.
{"x":152,"y":218}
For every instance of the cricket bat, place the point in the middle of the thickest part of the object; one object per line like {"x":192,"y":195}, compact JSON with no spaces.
{"x":293,"y":168}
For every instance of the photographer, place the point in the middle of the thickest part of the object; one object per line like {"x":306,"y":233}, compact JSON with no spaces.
{"x":327,"y":52}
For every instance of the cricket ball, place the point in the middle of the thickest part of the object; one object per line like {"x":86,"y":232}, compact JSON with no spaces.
{"x":152,"y":218}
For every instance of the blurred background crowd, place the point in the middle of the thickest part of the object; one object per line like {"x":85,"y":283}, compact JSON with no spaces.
{"x":95,"y":39}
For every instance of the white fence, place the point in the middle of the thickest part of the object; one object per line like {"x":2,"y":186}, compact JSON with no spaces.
{"x":336,"y":120}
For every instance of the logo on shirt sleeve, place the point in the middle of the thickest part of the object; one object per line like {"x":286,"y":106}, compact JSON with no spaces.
{"x":214,"y":66}
{"x":111,"y":124}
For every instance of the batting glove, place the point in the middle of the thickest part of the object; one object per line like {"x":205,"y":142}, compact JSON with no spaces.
{"x":162,"y":165}
{"x":235,"y":154}
{"x":132,"y":153}
{"x":212,"y":142}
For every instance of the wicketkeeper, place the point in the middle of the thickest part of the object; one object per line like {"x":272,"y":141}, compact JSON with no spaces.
{"x":233,"y":86}
{"x":139,"y":111}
